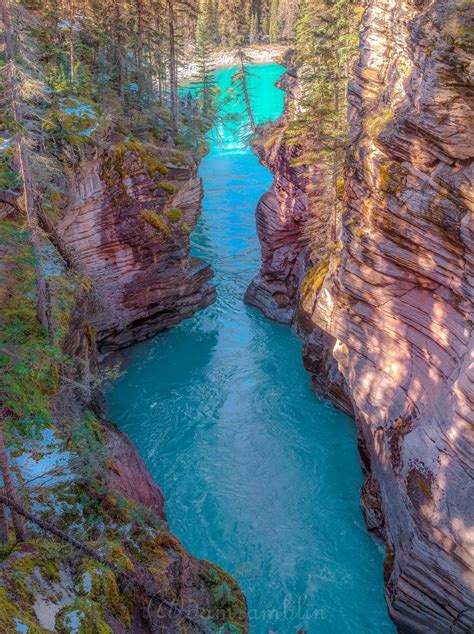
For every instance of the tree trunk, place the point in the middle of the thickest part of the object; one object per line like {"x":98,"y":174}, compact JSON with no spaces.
{"x":4,"y":537}
{"x":72,"y":60}
{"x":10,"y":489}
{"x":122,"y":69}
{"x":141,"y":579}
{"x":141,"y":80}
{"x":245,"y":91}
{"x":23,"y":157}
{"x":173,"y":71}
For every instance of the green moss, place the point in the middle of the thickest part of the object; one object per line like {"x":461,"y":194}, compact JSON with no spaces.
{"x":50,"y":569}
{"x":11,"y":616}
{"x":99,"y":584}
{"x":160,"y":571}
{"x":392,"y":177}
{"x":90,"y":332}
{"x":116,"y":554}
{"x":174,"y":214}
{"x":359,"y":232}
{"x":53,"y":204}
{"x":315,"y":277}
{"x":457,"y":26}
{"x":169,"y":188}
{"x":179,"y":158}
{"x":119,"y":151}
{"x":156,"y":221}
{"x":83,"y":616}
{"x":375,"y":124}
{"x":228,"y":609}
{"x":72,"y":121}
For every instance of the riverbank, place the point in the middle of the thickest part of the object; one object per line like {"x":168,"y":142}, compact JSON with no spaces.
{"x":257,"y":54}
{"x":109,"y":263}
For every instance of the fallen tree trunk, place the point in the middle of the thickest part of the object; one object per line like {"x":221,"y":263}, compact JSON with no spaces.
{"x":145,"y":583}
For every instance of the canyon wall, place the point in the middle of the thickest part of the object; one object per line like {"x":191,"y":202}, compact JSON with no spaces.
{"x":386,"y":312}
{"x":130,"y":214}
{"x":119,"y":270}
{"x":84,"y":476}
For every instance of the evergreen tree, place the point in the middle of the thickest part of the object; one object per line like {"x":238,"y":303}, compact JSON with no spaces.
{"x":274,"y":22}
{"x":326,"y":46}
{"x":241,"y":87}
{"x":204,"y":43}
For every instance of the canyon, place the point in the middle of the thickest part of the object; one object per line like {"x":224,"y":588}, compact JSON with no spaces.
{"x":260,"y":475}
{"x":385,"y":309}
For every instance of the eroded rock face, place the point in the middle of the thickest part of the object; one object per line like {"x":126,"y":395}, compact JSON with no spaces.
{"x":137,"y":255}
{"x":103,"y":490}
{"x":285,"y":226}
{"x":395,"y":304}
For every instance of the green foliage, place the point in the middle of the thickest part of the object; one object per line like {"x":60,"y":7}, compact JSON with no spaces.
{"x":72,"y":121}
{"x":11,"y":617}
{"x":98,"y":584}
{"x":9,"y":176}
{"x":174,"y":214}
{"x":228,"y":608}
{"x":29,"y":364}
{"x":205,"y":33}
{"x":83,"y":616}
{"x":315,"y":277}
{"x":119,"y":151}
{"x":156,"y":221}
{"x":168,"y":188}
{"x":457,"y":26}
{"x":326,"y":47}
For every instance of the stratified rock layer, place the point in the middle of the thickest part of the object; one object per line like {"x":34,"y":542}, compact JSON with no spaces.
{"x":285,"y":226}
{"x":137,"y":257}
{"x":393,"y":308}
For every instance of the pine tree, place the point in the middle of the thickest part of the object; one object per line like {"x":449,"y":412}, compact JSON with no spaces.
{"x":204,"y":42}
{"x":22,"y":85}
{"x":326,"y":45}
{"x":240,"y":84}
{"x":274,"y":25}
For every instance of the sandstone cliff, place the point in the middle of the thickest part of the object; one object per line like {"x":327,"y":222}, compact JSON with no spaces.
{"x":387,"y":313}
{"x":128,"y":221}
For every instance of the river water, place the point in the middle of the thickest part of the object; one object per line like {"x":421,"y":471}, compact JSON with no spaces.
{"x":260,"y":475}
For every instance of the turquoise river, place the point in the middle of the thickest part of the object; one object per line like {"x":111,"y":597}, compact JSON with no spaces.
{"x":260,"y":475}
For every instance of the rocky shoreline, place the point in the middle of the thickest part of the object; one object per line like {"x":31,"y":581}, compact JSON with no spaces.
{"x":227,"y":58}
{"x":125,"y":233}
{"x":386,"y":309}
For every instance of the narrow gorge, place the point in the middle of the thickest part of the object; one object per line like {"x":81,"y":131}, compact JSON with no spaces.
{"x":236,"y":284}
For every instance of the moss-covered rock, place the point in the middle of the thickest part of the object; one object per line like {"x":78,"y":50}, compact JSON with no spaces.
{"x":158,"y":222}
{"x":174,"y":214}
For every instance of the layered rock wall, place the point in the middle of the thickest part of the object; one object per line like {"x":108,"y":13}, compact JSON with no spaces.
{"x":285,"y":226}
{"x":128,"y":222}
{"x":391,"y":305}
